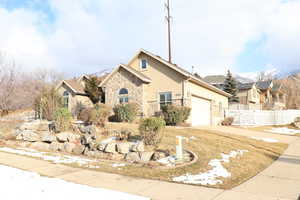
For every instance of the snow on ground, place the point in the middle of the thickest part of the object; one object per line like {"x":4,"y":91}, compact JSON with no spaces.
{"x":19,"y":184}
{"x":284,"y":130}
{"x":270,"y":140}
{"x":65,"y":159}
{"x":118,"y":165}
{"x":211,"y":177}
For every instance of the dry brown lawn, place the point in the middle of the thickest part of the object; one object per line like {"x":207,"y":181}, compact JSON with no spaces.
{"x":207,"y":145}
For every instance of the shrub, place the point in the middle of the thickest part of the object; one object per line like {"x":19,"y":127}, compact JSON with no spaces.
{"x":227,"y":121}
{"x":175,"y":115}
{"x":47,"y":103}
{"x":97,"y":115}
{"x":151,"y":130}
{"x":87,"y":115}
{"x":126,"y":112}
{"x":62,"y":119}
{"x":102,"y":113}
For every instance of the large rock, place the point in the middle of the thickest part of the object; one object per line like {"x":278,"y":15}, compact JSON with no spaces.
{"x":40,"y":146}
{"x":68,"y":147}
{"x":86,"y":139}
{"x":159,"y":155}
{"x":56,"y":146}
{"x":78,"y":149}
{"x":297,"y":124}
{"x":123,"y":147}
{"x":48,"y":137}
{"x":138,"y":147}
{"x":133,"y":157}
{"x":91,"y":130}
{"x":67,"y":137}
{"x":93,"y":145}
{"x":110,"y":148}
{"x":146,"y":156}
{"x":100,"y":154}
{"x":101,"y":146}
{"x":28,"y":135}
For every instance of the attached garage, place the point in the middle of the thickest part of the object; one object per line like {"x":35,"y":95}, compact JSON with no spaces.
{"x":201,"y":111}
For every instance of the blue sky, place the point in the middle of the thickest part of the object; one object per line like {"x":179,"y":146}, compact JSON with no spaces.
{"x":85,"y":36}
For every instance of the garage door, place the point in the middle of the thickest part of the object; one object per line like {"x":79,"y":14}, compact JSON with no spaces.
{"x":201,"y":112}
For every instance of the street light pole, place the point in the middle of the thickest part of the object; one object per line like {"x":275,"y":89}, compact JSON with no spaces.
{"x":168,"y":17}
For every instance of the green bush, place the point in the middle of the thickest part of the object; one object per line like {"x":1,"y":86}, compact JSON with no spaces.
{"x":126,"y":112}
{"x":151,"y":130}
{"x":174,"y":115}
{"x":62,"y":119}
{"x":97,"y":115}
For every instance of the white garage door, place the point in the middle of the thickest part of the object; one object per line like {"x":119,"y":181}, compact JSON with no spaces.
{"x":201,"y":114}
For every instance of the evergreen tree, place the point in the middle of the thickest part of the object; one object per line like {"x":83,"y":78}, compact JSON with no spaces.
{"x":93,"y":91}
{"x":230,"y":86}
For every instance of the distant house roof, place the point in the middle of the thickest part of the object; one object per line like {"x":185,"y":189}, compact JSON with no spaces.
{"x":245,"y":86}
{"x":263,"y":85}
{"x":215,"y":79}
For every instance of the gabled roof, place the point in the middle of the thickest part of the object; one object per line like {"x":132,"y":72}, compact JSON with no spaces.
{"x":75,"y":83}
{"x":130,"y":70}
{"x":263,"y":85}
{"x":180,"y":70}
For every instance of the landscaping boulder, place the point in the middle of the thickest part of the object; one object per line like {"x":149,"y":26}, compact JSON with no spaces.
{"x":138,"y":147}
{"x":158,"y":155}
{"x":78,"y":149}
{"x":68,"y":147}
{"x":40,"y":146}
{"x":91,"y":130}
{"x":28,"y":135}
{"x":48,"y":137}
{"x":99,"y":155}
{"x":86,"y":139}
{"x":74,"y":138}
{"x":133,"y":157}
{"x":110,"y":148}
{"x":93,"y":145}
{"x":124,"y":147}
{"x":56,"y":146}
{"x":67,"y":137}
{"x":146,"y":156}
{"x":101,"y":146}
{"x":90,"y":154}
{"x":297,"y":124}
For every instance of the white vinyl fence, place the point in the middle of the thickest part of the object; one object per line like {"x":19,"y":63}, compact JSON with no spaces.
{"x":262,"y":117}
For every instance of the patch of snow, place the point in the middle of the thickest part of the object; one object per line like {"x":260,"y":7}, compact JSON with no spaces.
{"x":284,"y":130}
{"x":118,"y":165}
{"x":211,"y":177}
{"x":270,"y":140}
{"x":168,"y":161}
{"x":193,"y":138}
{"x":20,"y":184}
{"x":65,"y":159}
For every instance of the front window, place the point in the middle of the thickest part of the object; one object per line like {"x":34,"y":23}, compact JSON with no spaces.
{"x":66,"y":99}
{"x":123,"y":96}
{"x":144,"y":64}
{"x":165,"y":98}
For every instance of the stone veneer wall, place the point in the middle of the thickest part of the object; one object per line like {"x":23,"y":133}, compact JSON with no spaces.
{"x":124,"y":79}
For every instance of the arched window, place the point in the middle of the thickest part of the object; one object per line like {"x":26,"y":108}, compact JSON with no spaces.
{"x":123,"y":95}
{"x":123,"y":91}
{"x":66,"y":99}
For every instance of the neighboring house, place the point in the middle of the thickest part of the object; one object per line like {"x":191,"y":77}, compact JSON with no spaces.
{"x":249,"y":97}
{"x":272,"y":95}
{"x":73,"y":93}
{"x":151,"y":81}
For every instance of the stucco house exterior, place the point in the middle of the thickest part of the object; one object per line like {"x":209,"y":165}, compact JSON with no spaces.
{"x":73,"y":93}
{"x":151,"y":81}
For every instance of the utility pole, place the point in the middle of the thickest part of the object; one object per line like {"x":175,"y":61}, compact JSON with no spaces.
{"x":168,"y":18}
